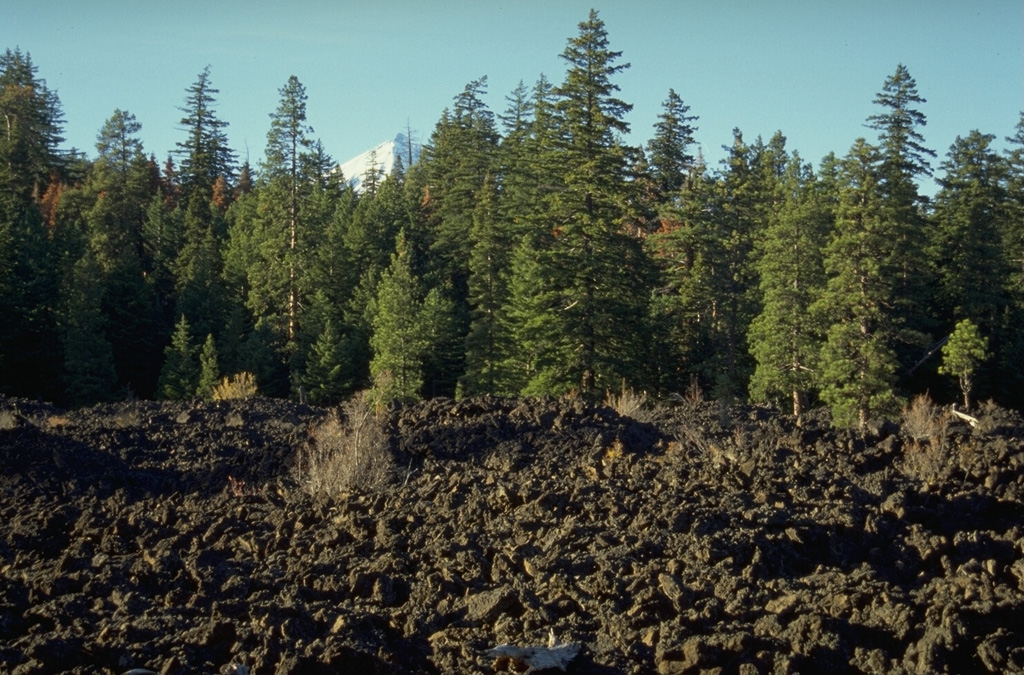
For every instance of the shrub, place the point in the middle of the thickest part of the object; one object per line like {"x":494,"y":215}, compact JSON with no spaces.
{"x":628,"y":403}
{"x":8,"y":420}
{"x":57,"y":421}
{"x":347,"y":451}
{"x":123,"y":419}
{"x":242,"y":385}
{"x":926,"y":456}
{"x":923,"y":421}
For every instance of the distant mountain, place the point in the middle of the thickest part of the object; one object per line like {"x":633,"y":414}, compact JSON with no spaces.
{"x":355,"y":169}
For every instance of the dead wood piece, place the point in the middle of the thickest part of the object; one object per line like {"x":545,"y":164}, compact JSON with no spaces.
{"x":973,"y":421}
{"x":538,"y":658}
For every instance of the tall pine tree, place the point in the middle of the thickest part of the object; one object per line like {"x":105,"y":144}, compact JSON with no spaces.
{"x":486,"y":342}
{"x":598,"y":273}
{"x":859,"y":363}
{"x":30,"y":159}
{"x":668,"y":151}
{"x":785,"y":338}
{"x":903,"y":161}
{"x":204,"y":153}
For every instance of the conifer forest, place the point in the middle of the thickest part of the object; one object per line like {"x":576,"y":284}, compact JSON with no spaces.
{"x":527,"y":251}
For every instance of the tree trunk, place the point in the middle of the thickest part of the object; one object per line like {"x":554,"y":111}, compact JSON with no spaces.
{"x":798,"y":407}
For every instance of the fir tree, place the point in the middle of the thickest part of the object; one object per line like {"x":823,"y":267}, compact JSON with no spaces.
{"x":179,"y":378}
{"x":1012,"y":233}
{"x":444,"y":355}
{"x":282,"y":232}
{"x":30,"y":283}
{"x":668,"y":151}
{"x":369,"y":239}
{"x":88,"y":357}
{"x":120,"y":188}
{"x":200,"y":289}
{"x":858,"y":362}
{"x":32,"y":131}
{"x":531,"y":300}
{"x":486,"y":343}
{"x":684,"y":303}
{"x":1010,"y":358}
{"x":209,"y":370}
{"x":459,"y":157}
{"x":785,"y":338}
{"x":527,"y":171}
{"x":326,"y":367}
{"x":399,"y":343}
{"x":204,"y":153}
{"x":600,"y":273}
{"x":903,"y":159}
{"x":736,"y":218}
{"x":902,"y":145}
{"x":967,"y":250}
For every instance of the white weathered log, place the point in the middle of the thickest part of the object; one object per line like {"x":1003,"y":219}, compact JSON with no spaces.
{"x":538,"y":658}
{"x":973,"y":421}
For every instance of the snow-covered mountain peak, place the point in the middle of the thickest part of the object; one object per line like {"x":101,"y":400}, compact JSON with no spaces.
{"x":382,"y":157}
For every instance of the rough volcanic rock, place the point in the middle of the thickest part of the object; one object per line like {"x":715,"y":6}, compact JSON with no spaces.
{"x":176,"y":537}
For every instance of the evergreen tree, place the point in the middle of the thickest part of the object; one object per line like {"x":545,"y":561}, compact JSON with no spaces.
{"x":369,"y":240}
{"x":736,"y":219}
{"x":276,"y":285}
{"x":444,"y":355}
{"x":1012,"y":232}
{"x":668,"y":151}
{"x":326,"y":367}
{"x":120,"y":188}
{"x":326,"y":370}
{"x":785,"y":338}
{"x":372,"y":177}
{"x":486,"y":344}
{"x":531,"y":299}
{"x":199,"y":288}
{"x":599,"y":272}
{"x":1010,"y":357}
{"x":962,"y":354}
{"x":32,"y":131}
{"x":262,"y":353}
{"x":684,"y":302}
{"x":88,"y":357}
{"x":162,"y":238}
{"x":29,"y":267}
{"x":528,"y":165}
{"x":399,"y":343}
{"x":858,"y":362}
{"x":209,"y":371}
{"x":205,"y":154}
{"x":179,"y":378}
{"x":967,"y":251}
{"x":460,"y":156}
{"x":902,"y":145}
{"x":330,"y":268}
{"x":902,"y":161}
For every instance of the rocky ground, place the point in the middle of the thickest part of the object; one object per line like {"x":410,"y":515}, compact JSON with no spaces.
{"x":179,"y":538}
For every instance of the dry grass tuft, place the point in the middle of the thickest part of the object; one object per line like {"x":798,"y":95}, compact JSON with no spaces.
{"x":8,"y":420}
{"x":926,"y":454}
{"x":347,"y":451}
{"x":57,"y":422}
{"x":242,"y":385}
{"x":923,"y":420}
{"x":123,"y":419}
{"x":627,"y":403}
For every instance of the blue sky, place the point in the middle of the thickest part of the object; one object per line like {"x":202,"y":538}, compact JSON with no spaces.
{"x":809,"y":68}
